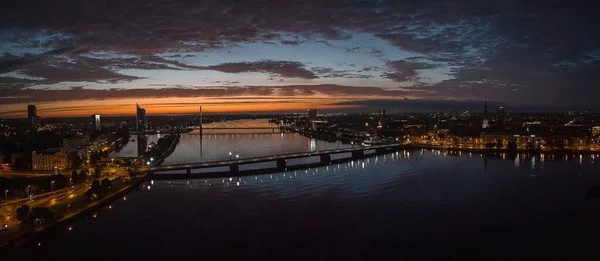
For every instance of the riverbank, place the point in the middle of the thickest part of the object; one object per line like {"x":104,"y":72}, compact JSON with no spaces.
{"x":503,"y":150}
{"x":29,"y":237}
{"x":161,"y":153}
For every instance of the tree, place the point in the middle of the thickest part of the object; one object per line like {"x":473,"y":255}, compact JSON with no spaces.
{"x":74,"y":176}
{"x":499,"y":144}
{"x":82,"y":176}
{"x":489,"y":145}
{"x":98,"y":171}
{"x":77,"y":162}
{"x":96,"y":188}
{"x":105,"y":185}
{"x":132,"y":173}
{"x":95,"y":157}
{"x":42,"y":215}
{"x":24,"y":214}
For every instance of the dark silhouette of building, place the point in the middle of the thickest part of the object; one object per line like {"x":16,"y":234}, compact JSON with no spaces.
{"x":500,"y":115}
{"x":141,"y":123}
{"x":142,"y":144}
{"x":32,"y":117}
{"x":312,"y":114}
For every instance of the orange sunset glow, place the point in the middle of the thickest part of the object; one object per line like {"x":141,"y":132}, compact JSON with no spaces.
{"x":176,"y":105}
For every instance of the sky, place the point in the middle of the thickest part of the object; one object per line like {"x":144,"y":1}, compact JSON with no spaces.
{"x":83,"y":57}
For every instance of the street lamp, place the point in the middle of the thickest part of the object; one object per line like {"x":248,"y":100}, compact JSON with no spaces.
{"x":52,"y":186}
{"x":237,"y":158}
{"x":230,"y":155}
{"x":6,"y":194}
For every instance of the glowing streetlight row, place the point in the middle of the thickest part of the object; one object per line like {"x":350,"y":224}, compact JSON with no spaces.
{"x":237,"y":156}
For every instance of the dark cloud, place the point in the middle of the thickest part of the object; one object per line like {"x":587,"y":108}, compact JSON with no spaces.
{"x":280,"y":68}
{"x":323,"y":72}
{"x":37,"y":95}
{"x":405,"y":71}
{"x":406,"y":105}
{"x":510,"y":49}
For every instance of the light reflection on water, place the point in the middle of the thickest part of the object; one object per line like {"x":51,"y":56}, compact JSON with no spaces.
{"x":408,"y":203}
{"x":212,"y":147}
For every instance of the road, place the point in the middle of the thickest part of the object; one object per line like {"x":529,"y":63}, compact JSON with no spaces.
{"x":50,"y":199}
{"x":23,"y":174}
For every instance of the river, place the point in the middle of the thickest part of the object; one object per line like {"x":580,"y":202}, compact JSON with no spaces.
{"x":414,"y":205}
{"x":211,"y":147}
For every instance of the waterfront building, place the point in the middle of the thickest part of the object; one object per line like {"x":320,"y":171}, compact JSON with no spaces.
{"x":76,"y":141}
{"x":141,"y":122}
{"x":53,"y":159}
{"x":495,"y":138}
{"x":527,"y":141}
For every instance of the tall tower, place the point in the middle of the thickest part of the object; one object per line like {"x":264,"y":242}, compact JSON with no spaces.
{"x":141,"y":123}
{"x":201,"y":119}
{"x":501,"y":115}
{"x":486,"y":123}
{"x":32,"y":116}
{"x":95,"y":121}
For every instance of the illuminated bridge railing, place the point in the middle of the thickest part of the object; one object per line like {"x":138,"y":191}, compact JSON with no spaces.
{"x":325,"y":158}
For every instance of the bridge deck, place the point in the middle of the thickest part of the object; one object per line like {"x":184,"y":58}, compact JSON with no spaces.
{"x":238,"y":128}
{"x":212,"y":164}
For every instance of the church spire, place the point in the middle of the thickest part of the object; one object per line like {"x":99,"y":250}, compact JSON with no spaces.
{"x":485,"y":108}
{"x":485,"y":124}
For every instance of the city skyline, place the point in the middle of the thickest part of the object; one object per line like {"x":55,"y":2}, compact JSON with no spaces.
{"x":291,"y":56}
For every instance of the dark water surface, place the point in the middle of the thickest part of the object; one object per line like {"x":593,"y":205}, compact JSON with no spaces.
{"x":405,"y":206}
{"x":213,"y":147}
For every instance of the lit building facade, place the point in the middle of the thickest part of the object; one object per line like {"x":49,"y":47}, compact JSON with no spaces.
{"x":53,"y":159}
{"x":77,"y":141}
{"x":96,"y":121}
{"x":596,"y":131}
{"x":486,"y":121}
{"x":495,"y":138}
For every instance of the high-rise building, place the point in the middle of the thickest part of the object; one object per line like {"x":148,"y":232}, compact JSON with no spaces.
{"x":382,"y":119}
{"x":142,"y":144}
{"x":501,"y":115}
{"x":32,"y":117}
{"x":312,"y":114}
{"x":95,"y":121}
{"x":141,"y":123}
{"x":486,"y":123}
